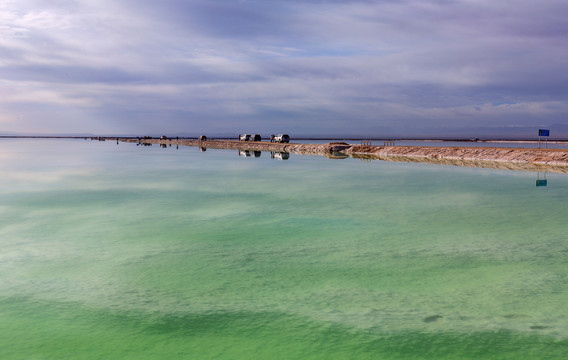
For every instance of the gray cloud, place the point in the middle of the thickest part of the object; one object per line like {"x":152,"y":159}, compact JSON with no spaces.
{"x":365,"y":67}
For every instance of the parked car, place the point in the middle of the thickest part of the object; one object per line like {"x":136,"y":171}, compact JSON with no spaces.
{"x":244,"y":137}
{"x":202,"y":138}
{"x":255,"y":137}
{"x":282,"y":138}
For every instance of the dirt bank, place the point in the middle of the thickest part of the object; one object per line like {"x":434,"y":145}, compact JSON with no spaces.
{"x":549,"y":160}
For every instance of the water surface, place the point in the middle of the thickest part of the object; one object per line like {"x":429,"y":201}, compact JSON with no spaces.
{"x":504,"y":144}
{"x":122,"y":251}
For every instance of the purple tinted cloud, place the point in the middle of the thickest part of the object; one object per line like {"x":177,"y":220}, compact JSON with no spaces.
{"x":365,"y":67}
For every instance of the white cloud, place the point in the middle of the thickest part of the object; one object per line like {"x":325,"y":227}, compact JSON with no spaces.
{"x":30,"y":92}
{"x":367,"y":61}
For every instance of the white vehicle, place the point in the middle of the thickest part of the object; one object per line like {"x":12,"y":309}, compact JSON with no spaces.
{"x":244,"y":137}
{"x":282,"y":138}
{"x":249,"y":153}
{"x":279,"y":155}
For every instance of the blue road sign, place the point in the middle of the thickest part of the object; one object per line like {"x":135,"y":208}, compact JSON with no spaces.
{"x":543,"y":132}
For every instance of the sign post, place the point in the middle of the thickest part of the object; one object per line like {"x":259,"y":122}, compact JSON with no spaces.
{"x":543,"y":133}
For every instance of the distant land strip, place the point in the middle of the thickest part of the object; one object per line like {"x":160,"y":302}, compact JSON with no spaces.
{"x":524,"y":159}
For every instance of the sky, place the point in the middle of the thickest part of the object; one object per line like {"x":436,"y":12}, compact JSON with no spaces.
{"x":398,"y":68}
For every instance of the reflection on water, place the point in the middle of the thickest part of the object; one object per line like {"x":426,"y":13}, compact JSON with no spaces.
{"x":541,"y":180}
{"x":249,"y":153}
{"x":480,"y":143}
{"x":435,"y":160}
{"x":337,"y":155}
{"x":114,"y":252}
{"x":279,"y":155}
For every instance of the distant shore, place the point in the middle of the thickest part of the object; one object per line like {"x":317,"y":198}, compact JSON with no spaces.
{"x":510,"y":158}
{"x":543,"y":160}
{"x":551,"y":140}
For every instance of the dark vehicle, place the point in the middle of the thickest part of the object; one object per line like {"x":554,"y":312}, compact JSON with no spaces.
{"x":255,"y":137}
{"x":282,"y":138}
{"x":202,"y":138}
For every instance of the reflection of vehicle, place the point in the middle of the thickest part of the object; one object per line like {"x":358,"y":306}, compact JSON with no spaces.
{"x":255,"y":137}
{"x":279,"y":155}
{"x":244,"y":137}
{"x":282,"y":138}
{"x":249,"y":153}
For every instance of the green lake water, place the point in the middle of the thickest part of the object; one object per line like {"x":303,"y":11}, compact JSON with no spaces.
{"x":118,"y":251}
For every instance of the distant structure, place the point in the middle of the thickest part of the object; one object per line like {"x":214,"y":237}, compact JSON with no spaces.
{"x":282,"y":138}
{"x":543,"y":133}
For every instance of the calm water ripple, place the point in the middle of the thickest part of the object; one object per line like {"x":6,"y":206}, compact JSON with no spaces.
{"x":125,"y":252}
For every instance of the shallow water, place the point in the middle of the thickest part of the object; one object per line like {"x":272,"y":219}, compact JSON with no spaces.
{"x":118,"y":251}
{"x":504,"y":144}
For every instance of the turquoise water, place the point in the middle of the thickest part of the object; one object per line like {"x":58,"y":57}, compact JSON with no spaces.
{"x":123,"y":252}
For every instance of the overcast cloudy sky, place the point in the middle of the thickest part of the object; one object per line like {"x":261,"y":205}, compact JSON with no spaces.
{"x":372,"y":68}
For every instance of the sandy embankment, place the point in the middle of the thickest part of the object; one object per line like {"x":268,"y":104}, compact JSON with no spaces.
{"x":543,"y":160}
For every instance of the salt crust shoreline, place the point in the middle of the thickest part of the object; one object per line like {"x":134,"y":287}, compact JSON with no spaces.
{"x":541,"y":160}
